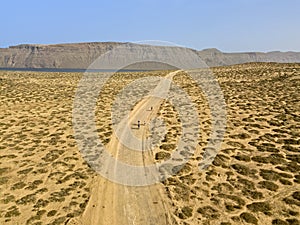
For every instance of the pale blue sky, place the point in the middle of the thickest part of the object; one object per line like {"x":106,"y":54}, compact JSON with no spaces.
{"x":229,"y":25}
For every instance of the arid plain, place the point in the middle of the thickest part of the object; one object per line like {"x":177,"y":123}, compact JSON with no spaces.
{"x":254,"y":179}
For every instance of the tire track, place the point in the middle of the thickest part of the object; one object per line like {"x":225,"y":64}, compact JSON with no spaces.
{"x":113,"y":203}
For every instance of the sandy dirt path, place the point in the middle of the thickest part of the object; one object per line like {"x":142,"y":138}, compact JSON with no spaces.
{"x":112,"y":203}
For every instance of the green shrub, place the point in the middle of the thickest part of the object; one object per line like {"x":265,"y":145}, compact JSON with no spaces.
{"x":249,"y":218}
{"x":259,"y":207}
{"x":51,"y":213}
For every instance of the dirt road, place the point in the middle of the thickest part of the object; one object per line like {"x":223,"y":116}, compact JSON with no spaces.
{"x":112,"y":203}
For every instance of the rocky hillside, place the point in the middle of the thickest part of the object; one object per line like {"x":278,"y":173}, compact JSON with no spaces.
{"x":77,"y":56}
{"x":214,"y":57}
{"x":81,"y":55}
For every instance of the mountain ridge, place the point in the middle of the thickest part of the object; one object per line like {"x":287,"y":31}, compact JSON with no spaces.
{"x":81,"y":55}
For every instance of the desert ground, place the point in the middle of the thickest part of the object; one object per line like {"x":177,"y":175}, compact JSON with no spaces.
{"x":254,"y":179}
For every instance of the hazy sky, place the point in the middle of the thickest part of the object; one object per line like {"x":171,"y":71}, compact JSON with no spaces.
{"x":229,"y":25}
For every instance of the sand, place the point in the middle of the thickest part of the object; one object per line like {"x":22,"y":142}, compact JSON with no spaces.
{"x":254,"y":179}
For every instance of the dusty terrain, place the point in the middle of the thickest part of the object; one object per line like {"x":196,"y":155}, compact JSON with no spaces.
{"x":254,"y":179}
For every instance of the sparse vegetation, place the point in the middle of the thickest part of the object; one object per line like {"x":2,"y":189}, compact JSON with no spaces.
{"x":252,"y":177}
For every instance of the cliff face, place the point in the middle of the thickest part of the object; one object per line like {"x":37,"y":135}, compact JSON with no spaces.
{"x":81,"y":55}
{"x":78,"y":56}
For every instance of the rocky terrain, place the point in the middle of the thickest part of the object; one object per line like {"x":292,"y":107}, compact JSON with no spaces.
{"x":81,"y":55}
